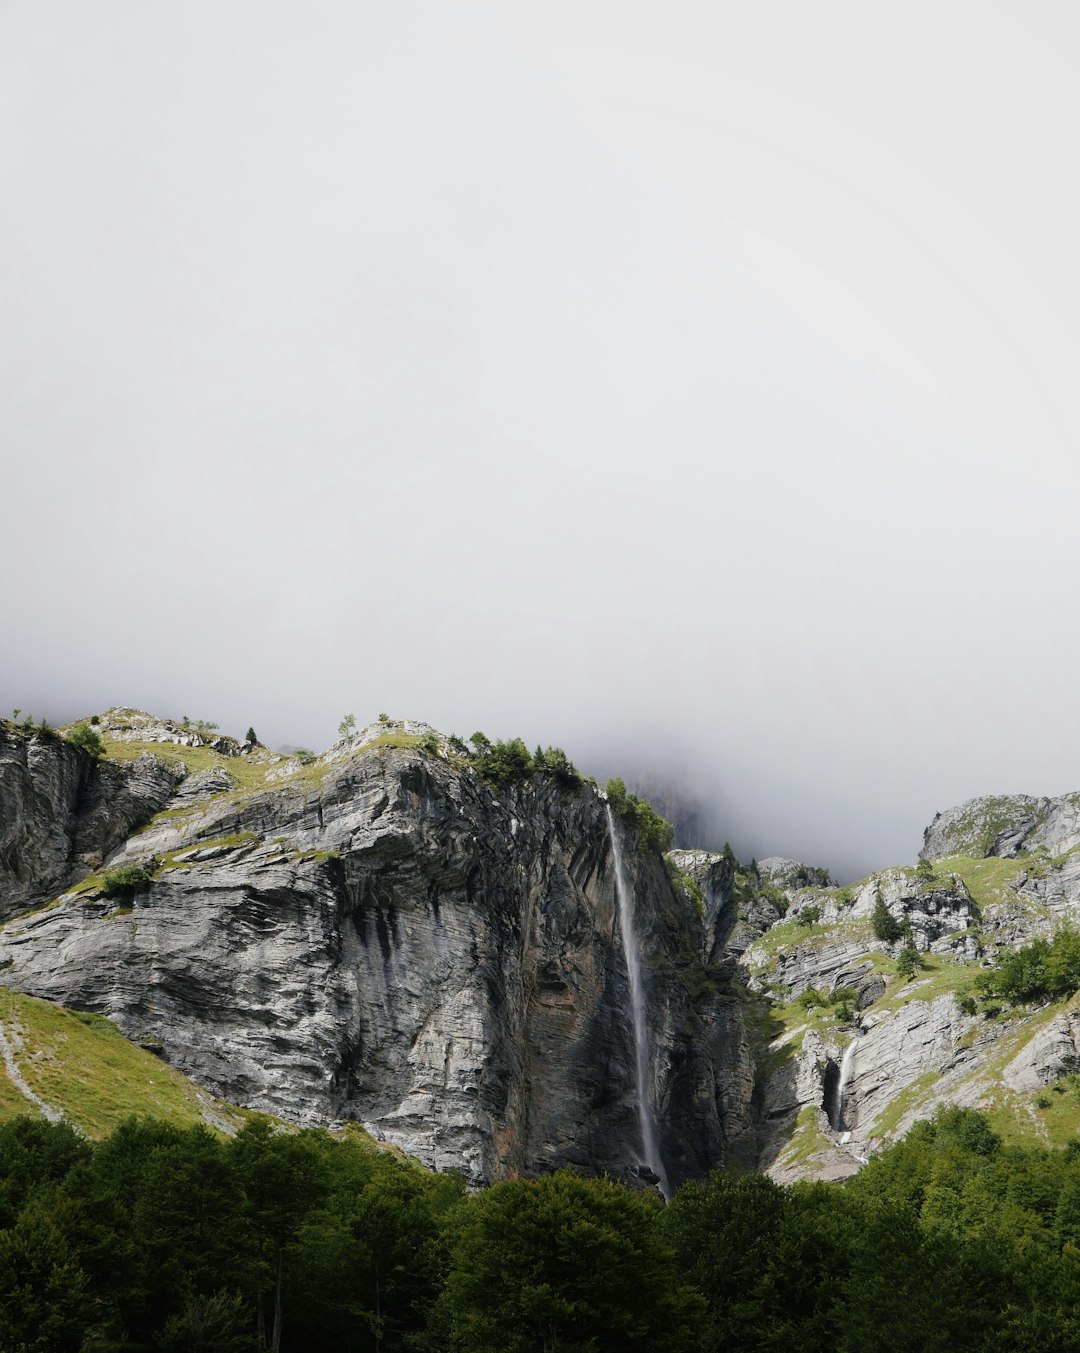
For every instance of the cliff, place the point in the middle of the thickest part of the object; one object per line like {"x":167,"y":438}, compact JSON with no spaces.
{"x":387,"y":935}
{"x":859,"y":1051}
{"x":383,"y":936}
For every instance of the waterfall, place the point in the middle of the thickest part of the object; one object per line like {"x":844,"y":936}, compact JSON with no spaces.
{"x":650,"y":1155}
{"x":846,"y":1063}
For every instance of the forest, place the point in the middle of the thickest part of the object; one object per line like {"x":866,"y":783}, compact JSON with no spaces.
{"x":181,"y":1241}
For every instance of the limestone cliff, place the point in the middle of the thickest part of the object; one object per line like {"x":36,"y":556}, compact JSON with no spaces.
{"x":381,"y":935}
{"x":858,"y":1051}
{"x":62,"y":812}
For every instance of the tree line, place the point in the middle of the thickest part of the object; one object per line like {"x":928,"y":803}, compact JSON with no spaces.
{"x":179,"y":1241}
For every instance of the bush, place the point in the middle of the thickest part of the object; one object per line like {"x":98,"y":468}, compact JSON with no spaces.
{"x":502,"y":761}
{"x":908,"y":961}
{"x":1044,"y":969}
{"x":654,"y":833}
{"x":84,"y":737}
{"x":553,"y":761}
{"x":125,"y":881}
{"x":808,"y":915}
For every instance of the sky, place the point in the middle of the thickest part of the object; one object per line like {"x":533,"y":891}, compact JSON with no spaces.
{"x":691,"y":385}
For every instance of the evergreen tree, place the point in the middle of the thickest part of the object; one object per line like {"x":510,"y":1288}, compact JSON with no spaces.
{"x":883,"y":923}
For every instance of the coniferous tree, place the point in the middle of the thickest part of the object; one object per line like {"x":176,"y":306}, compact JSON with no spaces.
{"x":883,"y":923}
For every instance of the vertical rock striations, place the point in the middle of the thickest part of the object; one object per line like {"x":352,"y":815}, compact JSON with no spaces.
{"x":62,"y":812}
{"x":387,"y":938}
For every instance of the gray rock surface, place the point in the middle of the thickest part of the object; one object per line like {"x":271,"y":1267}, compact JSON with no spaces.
{"x":384,"y":937}
{"x":1004,"y":825}
{"x":62,"y":812}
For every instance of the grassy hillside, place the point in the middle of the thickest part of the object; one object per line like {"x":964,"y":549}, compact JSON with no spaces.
{"x":81,"y":1066}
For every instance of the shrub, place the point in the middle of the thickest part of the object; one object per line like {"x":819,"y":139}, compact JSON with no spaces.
{"x":125,"y":881}
{"x":84,"y":737}
{"x":1043,"y":969}
{"x":553,"y":761}
{"x":908,"y":961}
{"x":346,"y":726}
{"x":843,"y":1001}
{"x":653,"y":832}
{"x":808,"y":915}
{"x":430,"y":743}
{"x":502,"y":761}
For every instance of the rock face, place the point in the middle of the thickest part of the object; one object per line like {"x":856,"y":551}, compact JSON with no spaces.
{"x":385,"y":937}
{"x":1004,"y":825}
{"x":381,"y":935}
{"x":62,"y":813}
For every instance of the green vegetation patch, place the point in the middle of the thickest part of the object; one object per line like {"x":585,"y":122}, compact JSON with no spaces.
{"x":686,"y":886}
{"x":315,"y":856}
{"x":807,"y":1139}
{"x":989,"y":880}
{"x":938,"y":975}
{"x":654,"y":834}
{"x":791,"y":934}
{"x":903,"y":1103}
{"x":395,"y":739}
{"x":980,"y":827}
{"x":80,"y":1064}
{"x":1057,"y":1110}
{"x":1045,"y":969}
{"x":247,"y":773}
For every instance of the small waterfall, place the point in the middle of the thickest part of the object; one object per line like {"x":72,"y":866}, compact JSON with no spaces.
{"x":650,"y":1155}
{"x":846,"y":1063}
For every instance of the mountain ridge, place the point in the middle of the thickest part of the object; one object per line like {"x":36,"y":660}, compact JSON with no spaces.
{"x":380,"y":933}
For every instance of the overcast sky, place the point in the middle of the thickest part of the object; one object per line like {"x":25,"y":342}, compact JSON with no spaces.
{"x":684,"y":381}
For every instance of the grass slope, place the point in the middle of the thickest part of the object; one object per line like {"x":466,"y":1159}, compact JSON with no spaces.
{"x":81,"y":1064}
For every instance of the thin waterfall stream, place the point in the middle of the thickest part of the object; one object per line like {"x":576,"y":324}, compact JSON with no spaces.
{"x":649,"y":1152}
{"x":846,"y":1063}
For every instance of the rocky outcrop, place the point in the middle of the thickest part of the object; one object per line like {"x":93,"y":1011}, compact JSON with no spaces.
{"x":382,"y":935}
{"x":1004,"y":826}
{"x":62,"y":813}
{"x":385,"y":937}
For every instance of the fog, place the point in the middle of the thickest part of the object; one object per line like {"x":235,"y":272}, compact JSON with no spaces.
{"x":689,"y":385}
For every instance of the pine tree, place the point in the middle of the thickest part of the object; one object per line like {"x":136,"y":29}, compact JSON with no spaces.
{"x":883,"y":923}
